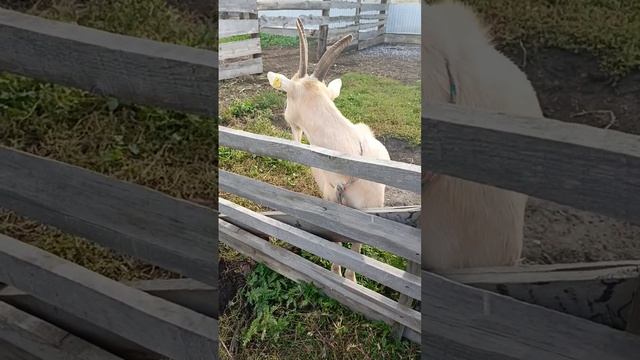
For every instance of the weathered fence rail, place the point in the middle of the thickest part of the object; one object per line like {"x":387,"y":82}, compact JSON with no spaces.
{"x":239,"y":49}
{"x":128,"y":320}
{"x":571,"y":164}
{"x":174,"y":76}
{"x":305,"y":222}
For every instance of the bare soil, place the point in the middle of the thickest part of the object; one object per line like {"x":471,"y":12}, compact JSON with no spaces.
{"x":571,"y":87}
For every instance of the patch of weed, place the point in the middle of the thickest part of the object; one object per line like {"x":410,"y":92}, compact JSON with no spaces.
{"x":271,"y":41}
{"x":284,"y":318}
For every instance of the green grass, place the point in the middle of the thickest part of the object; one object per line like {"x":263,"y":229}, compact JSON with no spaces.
{"x":270,"y":41}
{"x":280,"y":317}
{"x":609,"y":29}
{"x":275,"y":318}
{"x":389,"y":107}
{"x":164,"y":150}
{"x":267,"y":41}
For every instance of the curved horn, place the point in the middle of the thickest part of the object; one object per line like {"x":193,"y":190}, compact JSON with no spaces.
{"x":304,"y":60}
{"x":329,"y":57}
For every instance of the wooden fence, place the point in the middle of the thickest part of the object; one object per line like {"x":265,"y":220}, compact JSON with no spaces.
{"x":240,"y":28}
{"x":367,"y":24}
{"x":51,"y":308}
{"x":305,"y":222}
{"x":568,"y":311}
{"x":239,"y":50}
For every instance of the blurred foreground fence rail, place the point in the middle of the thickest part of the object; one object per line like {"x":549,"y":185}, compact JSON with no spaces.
{"x":51,"y":308}
{"x":561,"y":311}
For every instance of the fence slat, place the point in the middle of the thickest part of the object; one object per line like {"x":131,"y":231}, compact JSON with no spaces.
{"x":462,"y":322}
{"x":149,"y":225}
{"x":109,"y":304}
{"x":242,"y":6}
{"x":367,"y":302}
{"x":243,"y":67}
{"x":394,"y":278}
{"x":571,"y":164}
{"x":398,"y":174}
{"x":175,"y":77}
{"x":408,"y":215}
{"x":404,"y":215}
{"x":238,"y":27}
{"x":38,"y":339}
{"x":372,"y":230}
{"x":575,"y":289}
{"x":373,"y":7}
{"x":633,"y":326}
{"x":290,"y":21}
{"x":293,"y":5}
{"x":240,"y":48}
{"x":184,"y":292}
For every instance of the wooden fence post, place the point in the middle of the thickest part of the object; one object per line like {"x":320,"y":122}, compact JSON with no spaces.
{"x":384,"y":12}
{"x":398,"y":329}
{"x":357,"y":21}
{"x":323,"y":34}
{"x":633,"y":325}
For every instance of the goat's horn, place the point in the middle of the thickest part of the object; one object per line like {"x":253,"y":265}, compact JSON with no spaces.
{"x":329,"y":57}
{"x":304,"y":60}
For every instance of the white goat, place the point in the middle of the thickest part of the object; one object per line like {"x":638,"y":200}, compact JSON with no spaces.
{"x":311,"y":111}
{"x":467,"y":224}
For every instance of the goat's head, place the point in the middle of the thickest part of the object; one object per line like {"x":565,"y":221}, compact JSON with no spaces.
{"x":301,"y":87}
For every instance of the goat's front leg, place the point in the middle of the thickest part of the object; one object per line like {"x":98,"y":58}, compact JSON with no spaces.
{"x":297,"y":133}
{"x":349,"y":274}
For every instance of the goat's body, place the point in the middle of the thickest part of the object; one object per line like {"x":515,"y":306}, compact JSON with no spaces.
{"x":361,"y":194}
{"x":311,"y":111}
{"x":467,"y":224}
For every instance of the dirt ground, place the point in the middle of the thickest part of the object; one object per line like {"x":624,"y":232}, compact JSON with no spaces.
{"x":570,"y":87}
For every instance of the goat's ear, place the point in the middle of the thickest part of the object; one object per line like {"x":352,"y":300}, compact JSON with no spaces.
{"x":279,"y":81}
{"x":334,"y":88}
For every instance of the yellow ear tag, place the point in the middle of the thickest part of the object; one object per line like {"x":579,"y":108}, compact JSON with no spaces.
{"x":277,"y":82}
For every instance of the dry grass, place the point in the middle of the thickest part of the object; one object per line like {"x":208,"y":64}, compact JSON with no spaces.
{"x":167,"y":151}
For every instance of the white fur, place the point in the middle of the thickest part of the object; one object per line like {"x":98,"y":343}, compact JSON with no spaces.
{"x":465,"y":224}
{"x":311,"y":111}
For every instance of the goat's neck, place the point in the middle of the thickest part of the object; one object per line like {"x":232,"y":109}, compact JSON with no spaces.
{"x":325,"y":126}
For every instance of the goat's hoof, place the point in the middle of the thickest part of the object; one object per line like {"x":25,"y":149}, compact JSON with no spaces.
{"x":350,"y":275}
{"x":336,"y":269}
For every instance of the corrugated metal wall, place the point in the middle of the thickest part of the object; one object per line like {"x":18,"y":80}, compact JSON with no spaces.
{"x":403,"y":18}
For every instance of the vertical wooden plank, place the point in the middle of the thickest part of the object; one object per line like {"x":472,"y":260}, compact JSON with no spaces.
{"x":633,"y":325}
{"x":322,"y":37}
{"x":357,"y":21}
{"x":385,"y":12}
{"x":397,"y":328}
{"x":322,"y":41}
{"x":253,"y":15}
